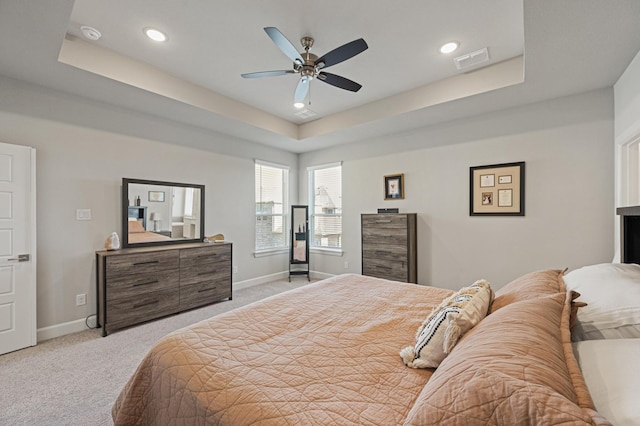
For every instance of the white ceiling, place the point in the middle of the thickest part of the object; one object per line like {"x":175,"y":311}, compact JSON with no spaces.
{"x":568,"y":46}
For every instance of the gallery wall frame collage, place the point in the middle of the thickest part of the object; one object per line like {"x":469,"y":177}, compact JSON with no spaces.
{"x":497,"y":189}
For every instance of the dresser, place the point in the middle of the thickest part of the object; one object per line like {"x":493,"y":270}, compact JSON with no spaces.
{"x":135,"y":285}
{"x":389,"y":246}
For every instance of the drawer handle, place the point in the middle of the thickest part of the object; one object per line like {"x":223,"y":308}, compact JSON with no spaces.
{"x":208,"y":272}
{"x":383,"y":220}
{"x":147,"y":283}
{"x":208,"y":289}
{"x":383,"y":267}
{"x":140,"y":305}
{"x":145,"y":263}
{"x":204,"y":256}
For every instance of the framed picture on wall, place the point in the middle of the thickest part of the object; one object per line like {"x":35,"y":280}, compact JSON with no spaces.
{"x":497,"y":190}
{"x":394,"y":187}
{"x":156,"y":196}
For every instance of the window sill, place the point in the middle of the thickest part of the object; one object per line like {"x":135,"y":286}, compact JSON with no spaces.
{"x":327,"y":251}
{"x":270,"y":252}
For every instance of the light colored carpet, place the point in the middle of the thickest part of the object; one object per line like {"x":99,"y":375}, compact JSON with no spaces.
{"x":74,"y":379}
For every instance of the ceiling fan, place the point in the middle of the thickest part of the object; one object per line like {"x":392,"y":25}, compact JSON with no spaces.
{"x":309,"y":66}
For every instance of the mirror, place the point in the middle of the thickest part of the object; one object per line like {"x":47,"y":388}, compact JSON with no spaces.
{"x":160,"y":213}
{"x":299,"y":235}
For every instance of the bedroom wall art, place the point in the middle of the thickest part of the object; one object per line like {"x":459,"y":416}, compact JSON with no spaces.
{"x":497,"y":190}
{"x":394,"y":187}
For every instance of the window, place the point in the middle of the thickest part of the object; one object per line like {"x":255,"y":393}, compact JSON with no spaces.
{"x":325,"y":200}
{"x":272,"y":186}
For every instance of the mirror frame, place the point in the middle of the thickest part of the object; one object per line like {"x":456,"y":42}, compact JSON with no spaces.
{"x":125,"y":213}
{"x":295,"y":236}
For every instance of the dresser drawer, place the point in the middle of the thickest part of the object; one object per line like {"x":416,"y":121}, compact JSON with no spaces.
{"x":395,"y":236}
{"x":384,"y":221}
{"x":220,"y":254}
{"x":139,"y":284}
{"x":397,"y":271}
{"x":142,"y":263}
{"x":128,"y":311}
{"x":388,"y":252}
{"x":204,"y":292}
{"x":202,"y":273}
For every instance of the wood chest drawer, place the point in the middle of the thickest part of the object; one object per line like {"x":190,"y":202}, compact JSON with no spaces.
{"x":220,"y":254}
{"x":384,"y":221}
{"x":126,"y":311}
{"x":204,"y":293}
{"x":391,"y":252}
{"x":138,"y":284}
{"x":142,"y":263}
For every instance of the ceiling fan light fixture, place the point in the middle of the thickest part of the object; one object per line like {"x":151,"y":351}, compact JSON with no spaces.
{"x":449,"y":47}
{"x":155,"y":35}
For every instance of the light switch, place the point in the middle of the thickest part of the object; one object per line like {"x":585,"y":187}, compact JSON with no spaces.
{"x":83,"y":214}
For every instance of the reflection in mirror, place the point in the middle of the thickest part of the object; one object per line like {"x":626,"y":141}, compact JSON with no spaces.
{"x":299,"y":235}
{"x":157,"y":213}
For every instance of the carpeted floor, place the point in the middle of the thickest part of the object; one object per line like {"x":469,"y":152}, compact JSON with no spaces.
{"x":74,"y":379}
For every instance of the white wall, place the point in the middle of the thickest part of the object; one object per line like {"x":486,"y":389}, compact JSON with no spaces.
{"x":83,"y":166}
{"x":566,"y":144}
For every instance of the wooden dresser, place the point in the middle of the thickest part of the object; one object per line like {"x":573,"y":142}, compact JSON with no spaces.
{"x":389,"y":246}
{"x":141,"y":284}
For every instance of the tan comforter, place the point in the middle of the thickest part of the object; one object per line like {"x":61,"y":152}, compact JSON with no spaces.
{"x":327,"y":354}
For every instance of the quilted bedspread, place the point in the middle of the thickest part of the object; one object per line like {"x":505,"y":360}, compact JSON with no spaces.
{"x":326,"y":353}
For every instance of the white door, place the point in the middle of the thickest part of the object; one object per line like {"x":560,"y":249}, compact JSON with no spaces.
{"x":17,"y":247}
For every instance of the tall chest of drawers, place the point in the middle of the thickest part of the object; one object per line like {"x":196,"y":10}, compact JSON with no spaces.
{"x":389,"y":246}
{"x":140,"y":284}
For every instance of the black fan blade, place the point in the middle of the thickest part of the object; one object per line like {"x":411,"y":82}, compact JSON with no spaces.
{"x":284,"y":44}
{"x":338,"y":81}
{"x":342,"y":53}
{"x":267,"y":73}
{"x":301,"y":89}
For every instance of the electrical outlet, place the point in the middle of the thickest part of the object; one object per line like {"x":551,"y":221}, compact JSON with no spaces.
{"x":235,"y":269}
{"x":83,"y":214}
{"x":81,"y":299}
{"x":346,"y":264}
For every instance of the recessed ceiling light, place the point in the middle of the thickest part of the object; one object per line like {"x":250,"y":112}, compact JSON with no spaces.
{"x":154,"y":34}
{"x":299,"y":105}
{"x":449,"y":47}
{"x":90,"y":32}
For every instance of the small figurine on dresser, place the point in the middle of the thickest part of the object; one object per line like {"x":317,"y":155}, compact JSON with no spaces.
{"x":112,"y":242}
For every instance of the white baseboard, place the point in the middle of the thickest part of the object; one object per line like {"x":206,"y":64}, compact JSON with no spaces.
{"x":58,"y":330}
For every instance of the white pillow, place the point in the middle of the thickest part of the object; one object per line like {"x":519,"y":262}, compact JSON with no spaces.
{"x":610,"y":371}
{"x":449,"y":321}
{"x":612,"y":294}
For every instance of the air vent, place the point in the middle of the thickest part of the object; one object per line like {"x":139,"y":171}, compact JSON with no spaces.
{"x":306,"y":113}
{"x":471,"y":59}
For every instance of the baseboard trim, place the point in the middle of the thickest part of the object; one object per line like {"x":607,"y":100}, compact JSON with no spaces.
{"x":47,"y":333}
{"x":58,"y":330}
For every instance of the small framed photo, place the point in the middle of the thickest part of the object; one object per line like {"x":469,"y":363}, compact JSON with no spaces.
{"x":156,"y":196}
{"x":394,"y":187}
{"x":501,"y":196}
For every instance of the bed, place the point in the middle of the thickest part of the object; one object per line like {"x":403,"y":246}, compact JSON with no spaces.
{"x":137,"y":234}
{"x":330,"y":353}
